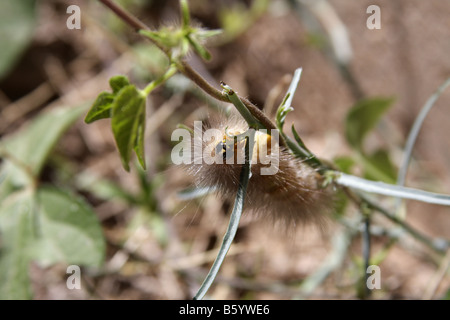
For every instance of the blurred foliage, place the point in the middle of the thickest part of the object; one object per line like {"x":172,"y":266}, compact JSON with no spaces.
{"x":17,"y":22}
{"x":37,"y":222}
{"x":362,"y":118}
{"x":360,"y":121}
{"x":236,"y":18}
{"x":42,"y":223}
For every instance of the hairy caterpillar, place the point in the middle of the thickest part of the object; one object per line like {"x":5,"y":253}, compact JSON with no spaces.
{"x":292,"y":195}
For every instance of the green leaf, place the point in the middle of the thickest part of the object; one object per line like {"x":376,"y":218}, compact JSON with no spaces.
{"x":48,"y":226}
{"x":344,"y":163}
{"x":234,"y":19}
{"x":139,"y":146}
{"x":197,"y":38}
{"x":297,"y":138}
{"x":69,"y":230}
{"x":300,"y":150}
{"x":378,"y":166}
{"x":201,"y":50}
{"x":363,"y":116}
{"x":17,"y":21}
{"x":16,"y":231}
{"x":285,"y":106}
{"x":126,"y":106}
{"x":118,"y":82}
{"x":127,"y":110}
{"x":30,"y":146}
{"x":101,"y":108}
{"x":282,"y":112}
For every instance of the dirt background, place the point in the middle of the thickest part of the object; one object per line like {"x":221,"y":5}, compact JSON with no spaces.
{"x":408,"y":58}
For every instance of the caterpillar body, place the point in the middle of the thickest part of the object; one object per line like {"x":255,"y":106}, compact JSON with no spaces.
{"x":292,"y":194}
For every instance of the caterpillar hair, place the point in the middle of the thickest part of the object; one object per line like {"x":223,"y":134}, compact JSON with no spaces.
{"x":292,"y":195}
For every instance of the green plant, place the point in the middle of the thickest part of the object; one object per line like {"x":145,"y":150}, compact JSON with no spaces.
{"x":40,"y":222}
{"x":125,"y":108}
{"x":47,"y":220}
{"x":17,"y":22}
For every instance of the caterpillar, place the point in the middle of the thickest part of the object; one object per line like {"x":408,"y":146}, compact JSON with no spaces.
{"x":292,"y":195}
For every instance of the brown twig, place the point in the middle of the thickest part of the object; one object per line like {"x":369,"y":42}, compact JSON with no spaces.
{"x":185,"y":68}
{"x":125,"y":16}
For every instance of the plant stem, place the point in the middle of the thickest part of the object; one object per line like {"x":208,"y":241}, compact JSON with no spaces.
{"x":245,"y":113}
{"x":234,"y":220}
{"x":366,"y":245}
{"x":152,"y":85}
{"x":125,"y":16}
{"x":414,"y":133}
{"x":185,"y":68}
{"x":390,"y":189}
{"x":189,"y":72}
{"x":185,"y":13}
{"x":193,"y":75}
{"x":439,"y":245}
